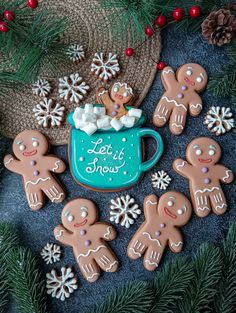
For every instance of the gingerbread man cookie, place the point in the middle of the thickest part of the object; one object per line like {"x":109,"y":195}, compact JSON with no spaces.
{"x":181,"y":96}
{"x":160,"y":228}
{"x":30,"y":148}
{"x":88,"y":237}
{"x":115,"y":99}
{"x":205,"y":176}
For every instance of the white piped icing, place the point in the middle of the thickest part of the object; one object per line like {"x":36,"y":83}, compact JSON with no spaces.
{"x":168,"y":71}
{"x":226,"y":175}
{"x":203,"y":208}
{"x":135,"y":252}
{"x":37,"y":181}
{"x":91,"y":277}
{"x":111,"y":265}
{"x":195,"y":106}
{"x":151,"y":263}
{"x":161,"y":117}
{"x":220,"y":207}
{"x":9,"y":161}
{"x":61,"y":232}
{"x":180,"y":243}
{"x":106,"y":235}
{"x":126,"y":87}
{"x":152,"y":239}
{"x":56,"y":166}
{"x":177,"y":125}
{"x":150,"y":202}
{"x":181,"y":165}
{"x":175,"y":102}
{"x":206,"y":190}
{"x":89,"y":252}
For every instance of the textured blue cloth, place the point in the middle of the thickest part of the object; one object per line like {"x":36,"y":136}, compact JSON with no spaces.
{"x":37,"y":227}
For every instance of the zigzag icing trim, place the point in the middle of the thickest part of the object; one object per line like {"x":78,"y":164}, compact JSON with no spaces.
{"x":206,"y":189}
{"x":220,"y":207}
{"x":181,"y":165}
{"x":36,"y":204}
{"x":175,"y":102}
{"x":176,"y":244}
{"x":152,"y":239}
{"x":151,"y":263}
{"x":61,"y":232}
{"x":177,"y":125}
{"x":37,"y":181}
{"x":106,"y":235}
{"x":57,"y":198}
{"x":195,"y":106}
{"x":9,"y":161}
{"x":56,"y":166}
{"x":112,"y":264}
{"x":89,"y":252}
{"x":227,"y":175}
{"x":126,"y":87}
{"x":91,"y":277}
{"x":134,"y":252}
{"x":161,"y":117}
{"x":101,"y":93}
{"x":150,"y":202}
{"x":203,"y":209}
{"x":168,"y":71}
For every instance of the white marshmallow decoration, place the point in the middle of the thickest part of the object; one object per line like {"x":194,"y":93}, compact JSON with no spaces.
{"x":78,"y":113}
{"x":79,"y":124}
{"x":135,"y":113}
{"x":89,"y":129}
{"x":104,"y":122}
{"x":127,"y":121}
{"x":88,"y":108}
{"x":89,"y":118}
{"x":116,"y":124}
{"x":100,"y":111}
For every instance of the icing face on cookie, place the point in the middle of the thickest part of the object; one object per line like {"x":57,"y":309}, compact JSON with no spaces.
{"x":203,"y":151}
{"x":193,"y":75}
{"x":174,"y":209}
{"x":121,"y":93}
{"x":28,"y":144}
{"x":76,"y":217}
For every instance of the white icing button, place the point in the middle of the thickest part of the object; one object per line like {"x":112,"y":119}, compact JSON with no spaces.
{"x":199,"y":79}
{"x":211,"y":152}
{"x":35,"y":143}
{"x":124,"y":139}
{"x":180,"y":212}
{"x":84,"y":214}
{"x":189,"y":72}
{"x":22,"y":147}
{"x":70,"y":218}
{"x":170,"y":203}
{"x":198,"y":152}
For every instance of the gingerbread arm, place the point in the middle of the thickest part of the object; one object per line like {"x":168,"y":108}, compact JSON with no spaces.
{"x":150,"y":207}
{"x":175,"y":241}
{"x":105,"y":231}
{"x":54,"y":164}
{"x":103,"y":97}
{"x":195,"y":104}
{"x":182,"y":167}
{"x":225,"y":175}
{"x":12,"y":164}
{"x":61,"y":234}
{"x":168,"y":77}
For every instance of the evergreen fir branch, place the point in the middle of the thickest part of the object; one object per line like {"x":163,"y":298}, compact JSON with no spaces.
{"x":27,"y":282}
{"x":223,"y":82}
{"x":207,"y":273}
{"x":170,"y":285}
{"x":225,"y":299}
{"x":3,"y":289}
{"x":132,"y":297}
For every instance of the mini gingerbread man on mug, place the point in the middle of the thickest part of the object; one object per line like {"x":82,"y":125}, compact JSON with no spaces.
{"x":88,"y":237}
{"x":181,"y":96}
{"x":160,"y":228}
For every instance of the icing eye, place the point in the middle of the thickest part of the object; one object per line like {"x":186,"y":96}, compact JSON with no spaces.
{"x":35,"y":143}
{"x":212,"y":152}
{"x":22,"y":147}
{"x":170,"y":203}
{"x":70,"y":218}
{"x":199,"y":79}
{"x":189,"y":72}
{"x":180,"y":212}
{"x":116,"y":89}
{"x":198,"y":152}
{"x":126,"y":94}
{"x":84,"y":214}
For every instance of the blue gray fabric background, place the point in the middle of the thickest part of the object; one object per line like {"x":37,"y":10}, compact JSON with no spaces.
{"x":37,"y":227}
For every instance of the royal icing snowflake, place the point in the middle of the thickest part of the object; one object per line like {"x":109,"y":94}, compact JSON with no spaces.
{"x":48,"y":114}
{"x":161,"y":180}
{"x":72,"y":88}
{"x":61,"y":287}
{"x":104,"y":68}
{"x":75,"y":52}
{"x":124,"y":211}
{"x":51,"y":253}
{"x":219,"y":120}
{"x":41,"y":88}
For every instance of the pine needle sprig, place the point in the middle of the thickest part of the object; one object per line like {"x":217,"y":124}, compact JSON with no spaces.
{"x":170,"y":284}
{"x":4,"y":294}
{"x":27,"y":281}
{"x":132,"y":297}
{"x":207,"y":273}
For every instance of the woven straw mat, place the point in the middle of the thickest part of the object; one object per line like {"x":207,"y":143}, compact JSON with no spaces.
{"x":88,"y":26}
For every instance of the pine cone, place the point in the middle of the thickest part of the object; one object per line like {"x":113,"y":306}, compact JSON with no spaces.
{"x":219,"y":27}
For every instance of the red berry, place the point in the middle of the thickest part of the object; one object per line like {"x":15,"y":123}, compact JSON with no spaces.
{"x":161,"y":20}
{"x":9,"y":15}
{"x":33,"y":4}
{"x":149,"y":31}
{"x":178,"y":14}
{"x":3,"y":27}
{"x":161,"y":65}
{"x":129,"y":52}
{"x":195,"y":11}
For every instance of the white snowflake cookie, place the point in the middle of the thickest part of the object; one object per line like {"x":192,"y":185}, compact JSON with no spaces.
{"x":51,"y":253}
{"x":41,"y":88}
{"x":61,"y":287}
{"x":219,"y":120}
{"x":72,"y":88}
{"x":161,"y":180}
{"x":124,"y":211}
{"x":48,"y":114}
{"x":105,"y":68}
{"x":75,"y":52}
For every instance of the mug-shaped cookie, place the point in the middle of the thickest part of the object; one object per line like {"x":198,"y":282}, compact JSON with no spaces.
{"x":111,"y":160}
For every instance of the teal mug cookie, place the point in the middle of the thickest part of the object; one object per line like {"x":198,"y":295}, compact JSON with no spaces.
{"x":110,"y":160}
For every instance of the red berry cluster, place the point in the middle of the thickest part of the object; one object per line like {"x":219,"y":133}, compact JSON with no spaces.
{"x":178,"y":14}
{"x":9,"y":15}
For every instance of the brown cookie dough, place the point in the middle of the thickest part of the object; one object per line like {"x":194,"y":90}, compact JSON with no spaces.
{"x":160,"y":228}
{"x":205,"y":175}
{"x":181,"y":96}
{"x":37,"y":168}
{"x":88,"y":237}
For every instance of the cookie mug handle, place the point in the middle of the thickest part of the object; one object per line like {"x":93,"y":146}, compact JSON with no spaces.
{"x":145,"y":132}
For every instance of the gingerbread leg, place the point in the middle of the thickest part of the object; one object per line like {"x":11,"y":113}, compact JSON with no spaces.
{"x":106,"y":260}
{"x":152,"y":258}
{"x":178,"y":120}
{"x":218,"y":202}
{"x":35,"y":197}
{"x":201,"y":203}
{"x":89,"y":269}
{"x":162,"y":113}
{"x":136,"y":248}
{"x":54,"y":191}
